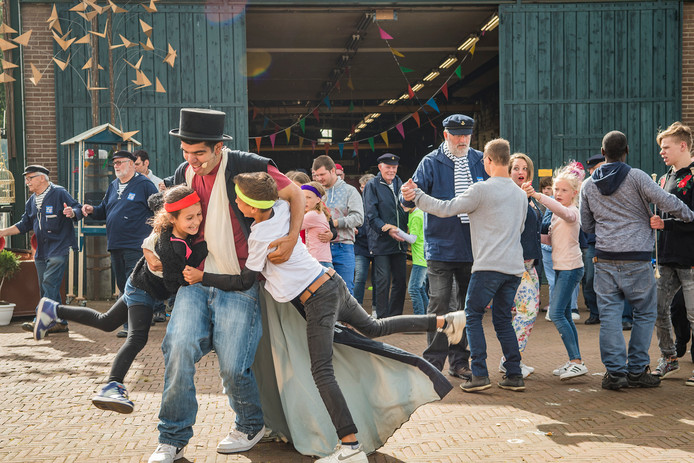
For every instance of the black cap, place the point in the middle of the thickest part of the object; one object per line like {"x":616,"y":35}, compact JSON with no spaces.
{"x":459,"y":124}
{"x":36,"y":169}
{"x":124,"y":154}
{"x":201,"y":125}
{"x":389,"y":159}
{"x":595,"y":160}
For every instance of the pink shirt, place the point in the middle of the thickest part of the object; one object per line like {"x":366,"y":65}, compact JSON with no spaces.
{"x":563,"y":231}
{"x":315,"y":223}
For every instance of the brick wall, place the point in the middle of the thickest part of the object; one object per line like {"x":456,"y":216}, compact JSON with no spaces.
{"x":39,"y":99}
{"x":688,"y":64}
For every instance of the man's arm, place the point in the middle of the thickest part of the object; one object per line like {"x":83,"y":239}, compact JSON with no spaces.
{"x":587,"y":218}
{"x":371,"y":209}
{"x":297,"y":206}
{"x":13,"y":230}
{"x":665,"y":201}
{"x":464,"y":203}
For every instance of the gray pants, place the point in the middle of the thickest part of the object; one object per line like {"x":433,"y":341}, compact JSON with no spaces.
{"x":670,"y":281}
{"x":332,"y":302}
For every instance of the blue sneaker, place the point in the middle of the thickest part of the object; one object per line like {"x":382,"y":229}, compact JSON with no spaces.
{"x":113,"y":397}
{"x":46,"y":316}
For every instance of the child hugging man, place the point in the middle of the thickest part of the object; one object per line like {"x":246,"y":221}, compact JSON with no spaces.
{"x":322,"y":295}
{"x":497,"y":210}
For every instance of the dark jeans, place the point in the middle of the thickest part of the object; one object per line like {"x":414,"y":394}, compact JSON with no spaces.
{"x":329,"y":304}
{"x":441,"y":275}
{"x":589,"y":296}
{"x":390,"y":299}
{"x":680,"y":322}
{"x":123,"y":262}
{"x":485,"y":286}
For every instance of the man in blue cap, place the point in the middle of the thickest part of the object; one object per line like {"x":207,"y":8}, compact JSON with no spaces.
{"x":445,"y":173}
{"x":386,"y":219}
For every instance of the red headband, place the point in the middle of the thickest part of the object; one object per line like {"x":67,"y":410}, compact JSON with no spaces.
{"x":182,"y":203}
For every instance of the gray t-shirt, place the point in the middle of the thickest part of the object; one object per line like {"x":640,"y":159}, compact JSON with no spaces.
{"x":497,"y":210}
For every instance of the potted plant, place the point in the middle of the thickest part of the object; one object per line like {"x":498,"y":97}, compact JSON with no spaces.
{"x":9,"y":266}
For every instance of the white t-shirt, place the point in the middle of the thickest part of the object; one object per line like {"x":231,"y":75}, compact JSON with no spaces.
{"x":288,"y":280}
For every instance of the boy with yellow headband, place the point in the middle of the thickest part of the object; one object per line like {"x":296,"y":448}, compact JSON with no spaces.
{"x":320,"y":294}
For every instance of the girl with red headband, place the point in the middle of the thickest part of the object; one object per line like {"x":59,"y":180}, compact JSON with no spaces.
{"x":174,"y":226}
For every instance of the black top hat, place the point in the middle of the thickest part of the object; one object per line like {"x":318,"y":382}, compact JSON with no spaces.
{"x":35,"y":168}
{"x":201,"y":125}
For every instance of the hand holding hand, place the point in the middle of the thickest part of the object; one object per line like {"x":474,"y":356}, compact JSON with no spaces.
{"x":528,"y":189}
{"x":393,"y":232}
{"x":87,"y":209}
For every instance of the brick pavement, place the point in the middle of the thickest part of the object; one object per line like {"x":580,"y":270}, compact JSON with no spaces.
{"x":46,"y":414}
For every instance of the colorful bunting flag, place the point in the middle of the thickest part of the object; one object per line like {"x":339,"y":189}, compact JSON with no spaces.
{"x":315,"y":114}
{"x":351,"y":106}
{"x":406,"y":70}
{"x":432,"y":103}
{"x":257,"y":144}
{"x":341,"y":147}
{"x":371,"y":143}
{"x":356,"y":146}
{"x":384,"y":34}
{"x":255,"y":113}
{"x":444,"y":90}
{"x":349,"y":83}
{"x":301,"y":142}
{"x":302,"y":123}
{"x":272,"y":140}
{"x":384,"y":135}
{"x":410,"y":91}
{"x":327,"y":148}
{"x":401,"y":129}
{"x":313,"y":146}
{"x":265,"y":121}
{"x":288,"y":133}
{"x":472,"y":49}
{"x":396,"y":53}
{"x":326,"y":100}
{"x":354,"y":153}
{"x":415,"y":116}
{"x":458,"y":72}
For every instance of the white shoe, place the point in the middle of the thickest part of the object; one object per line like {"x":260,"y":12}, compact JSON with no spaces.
{"x":531,"y":370}
{"x":237,"y":441}
{"x":455,"y":324}
{"x":343,"y":454}
{"x":525,"y":370}
{"x":562,"y":369}
{"x":576,"y":369}
{"x":166,"y":453}
{"x":575,"y":316}
{"x":547,"y":317}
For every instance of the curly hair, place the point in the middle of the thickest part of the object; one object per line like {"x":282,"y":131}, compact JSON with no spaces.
{"x":161,"y":220}
{"x":573,"y":173}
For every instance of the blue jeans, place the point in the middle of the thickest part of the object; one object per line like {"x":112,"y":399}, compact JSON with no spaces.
{"x":343,"y":260}
{"x":616,"y":281}
{"x":588,"y":277}
{"x":205,"y":318}
{"x":50,"y":272}
{"x":485,"y":286}
{"x":361,"y":274}
{"x":560,"y":312}
{"x":549,"y":273}
{"x":417,"y":288}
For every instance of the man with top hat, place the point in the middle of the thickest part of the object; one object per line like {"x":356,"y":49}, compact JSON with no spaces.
{"x":50,"y":212}
{"x":386,"y":219}
{"x":445,"y":173}
{"x":127,"y":213}
{"x":206,"y":318}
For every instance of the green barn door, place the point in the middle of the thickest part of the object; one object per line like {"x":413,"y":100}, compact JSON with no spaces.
{"x":570,"y":73}
{"x":208,"y":72}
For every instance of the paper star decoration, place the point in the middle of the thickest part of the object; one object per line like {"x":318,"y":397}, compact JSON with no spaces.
{"x":36,"y":75}
{"x":101,"y":34}
{"x":5,"y":78}
{"x":147,"y":46}
{"x":115,"y":8}
{"x":146,"y":28}
{"x":127,"y":43}
{"x":5,"y":29}
{"x":170,"y":56}
{"x":158,"y":87}
{"x":64,"y":44}
{"x":7,"y":64}
{"x":5,"y":45}
{"x":62,"y":64}
{"x":151,"y":8}
{"x":24,"y":38}
{"x":128,"y":135}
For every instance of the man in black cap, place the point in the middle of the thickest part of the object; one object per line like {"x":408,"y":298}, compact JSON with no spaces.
{"x":387,"y":219}
{"x":50,"y":212}
{"x":204,"y":317}
{"x":445,"y":173}
{"x":126,"y":211}
{"x":589,"y":296}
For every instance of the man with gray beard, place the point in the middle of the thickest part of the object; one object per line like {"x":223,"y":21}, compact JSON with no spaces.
{"x":444,"y":174}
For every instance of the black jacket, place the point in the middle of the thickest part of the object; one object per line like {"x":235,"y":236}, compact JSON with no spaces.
{"x":381,"y":206}
{"x":676,"y":243}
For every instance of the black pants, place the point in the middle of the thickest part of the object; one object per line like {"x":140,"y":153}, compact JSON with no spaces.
{"x":390,"y":299}
{"x":139,"y":318}
{"x":680,"y":322}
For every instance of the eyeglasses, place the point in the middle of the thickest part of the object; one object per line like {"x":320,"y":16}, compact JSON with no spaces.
{"x":118,"y":163}
{"x":31,"y":177}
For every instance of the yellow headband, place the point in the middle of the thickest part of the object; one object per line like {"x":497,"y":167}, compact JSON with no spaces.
{"x":253,"y":202}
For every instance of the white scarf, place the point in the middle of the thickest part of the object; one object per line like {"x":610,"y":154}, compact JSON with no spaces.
{"x":219,"y":233}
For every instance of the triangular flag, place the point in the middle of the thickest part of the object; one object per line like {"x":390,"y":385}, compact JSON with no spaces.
{"x":341,"y":147}
{"x":472,"y":49}
{"x":384,"y":135}
{"x":349,"y":83}
{"x":288,"y":133}
{"x":146,"y":28}
{"x":384,"y":34}
{"x":351,"y":106}
{"x":86,"y":38}
{"x":257,"y":144}
{"x":444,"y":90}
{"x":326,"y":100}
{"x":36,"y":75}
{"x":406,"y":70}
{"x":89,"y":15}
{"x":5,"y":78}
{"x":158,"y":87}
{"x":301,"y":142}
{"x":401,"y":129}
{"x":410,"y":91}
{"x":170,"y":56}
{"x":302,"y":123}
{"x":5,"y":45}
{"x":458,"y":72}
{"x":415,"y":116}
{"x":7,"y":64}
{"x":272,"y":140}
{"x":5,"y":29}
{"x":356,"y":146}
{"x":255,"y":113}
{"x":371,"y":143}
{"x":433,"y":104}
{"x":354,"y":153}
{"x":315,"y":114}
{"x":127,"y":42}
{"x":265,"y":121}
{"x":396,"y":53}
{"x":23,"y":39}
{"x":327,"y":148}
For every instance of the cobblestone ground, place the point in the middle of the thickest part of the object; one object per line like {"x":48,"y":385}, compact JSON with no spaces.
{"x":46,"y":414}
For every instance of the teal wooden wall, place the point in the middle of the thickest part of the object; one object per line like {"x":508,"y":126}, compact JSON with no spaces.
{"x":208,"y":73}
{"x":570,"y":73}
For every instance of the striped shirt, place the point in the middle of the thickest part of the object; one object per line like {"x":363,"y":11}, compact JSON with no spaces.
{"x":39,"y":198}
{"x":461,"y":176}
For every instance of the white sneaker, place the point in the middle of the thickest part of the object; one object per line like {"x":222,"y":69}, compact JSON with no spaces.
{"x":562,"y":369}
{"x":531,"y":370}
{"x":238,"y":441}
{"x":525,"y":370}
{"x":455,"y":324}
{"x":166,"y":453}
{"x":575,"y":316}
{"x":547,"y":317}
{"x":576,"y":369}
{"x":343,"y":454}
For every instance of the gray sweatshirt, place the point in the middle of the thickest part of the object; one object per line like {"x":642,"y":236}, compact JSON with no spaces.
{"x":615,"y":206}
{"x":347,"y":207}
{"x":497,"y":210}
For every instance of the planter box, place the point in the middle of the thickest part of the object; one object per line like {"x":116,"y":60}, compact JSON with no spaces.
{"x":23,"y":290}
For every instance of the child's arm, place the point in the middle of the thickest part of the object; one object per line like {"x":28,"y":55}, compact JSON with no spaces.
{"x":567,"y":213}
{"x":220,"y":281}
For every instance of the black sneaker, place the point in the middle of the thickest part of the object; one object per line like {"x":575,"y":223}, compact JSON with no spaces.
{"x":614,"y":381}
{"x":122,"y":334}
{"x":592,"y":321}
{"x":643,"y":379}
{"x":626,"y":326}
{"x":462,"y":372}
{"x":476,"y":383}
{"x":512,"y":383}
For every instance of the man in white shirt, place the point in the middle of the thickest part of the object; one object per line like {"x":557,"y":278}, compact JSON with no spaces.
{"x":142,"y":167}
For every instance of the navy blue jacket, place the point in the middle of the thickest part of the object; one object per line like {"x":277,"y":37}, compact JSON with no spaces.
{"x":126,"y":218}
{"x":55,"y":233}
{"x":381,"y":206}
{"x":530,"y":238}
{"x":447,"y":239}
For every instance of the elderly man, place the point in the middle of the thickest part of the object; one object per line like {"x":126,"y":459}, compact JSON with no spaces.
{"x":51,"y":212}
{"x":204,"y":317}
{"x":347,"y":211}
{"x":443,"y":174}
{"x":387,"y":219}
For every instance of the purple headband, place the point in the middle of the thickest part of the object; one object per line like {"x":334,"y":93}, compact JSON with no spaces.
{"x":310,"y":188}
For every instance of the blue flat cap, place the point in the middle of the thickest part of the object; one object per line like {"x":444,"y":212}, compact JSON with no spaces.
{"x":459,"y":124}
